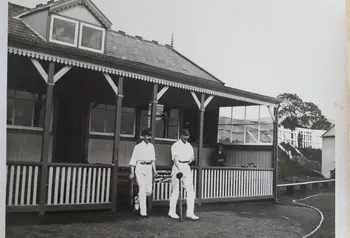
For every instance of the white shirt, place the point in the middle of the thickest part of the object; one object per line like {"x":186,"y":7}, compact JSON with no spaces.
{"x":142,"y":152}
{"x":184,"y":151}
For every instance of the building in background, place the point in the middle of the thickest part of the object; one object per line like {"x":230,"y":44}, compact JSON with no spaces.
{"x":328,"y":152}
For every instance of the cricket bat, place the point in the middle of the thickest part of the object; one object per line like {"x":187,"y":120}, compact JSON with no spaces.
{"x":179,"y":176}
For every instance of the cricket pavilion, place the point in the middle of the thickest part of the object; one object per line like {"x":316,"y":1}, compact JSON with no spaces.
{"x":78,"y":96}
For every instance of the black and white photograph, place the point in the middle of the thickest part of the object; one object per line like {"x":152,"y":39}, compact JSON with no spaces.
{"x":151,"y":118}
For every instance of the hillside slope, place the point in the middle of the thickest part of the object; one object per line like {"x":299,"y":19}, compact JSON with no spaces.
{"x":298,"y":168}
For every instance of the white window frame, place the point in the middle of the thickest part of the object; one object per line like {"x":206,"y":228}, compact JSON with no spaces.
{"x":259,"y":143}
{"x":53,"y":17}
{"x":82,"y":24}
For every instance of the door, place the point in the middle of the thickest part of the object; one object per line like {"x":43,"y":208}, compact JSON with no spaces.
{"x":71,"y":136}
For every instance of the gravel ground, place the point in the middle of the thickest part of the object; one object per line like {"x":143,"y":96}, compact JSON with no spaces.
{"x":216,"y":220}
{"x":230,"y":220}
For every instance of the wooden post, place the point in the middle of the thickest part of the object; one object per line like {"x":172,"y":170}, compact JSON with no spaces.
{"x":315,"y":187}
{"x":200,"y":148}
{"x":153,"y":138}
{"x":290,"y":190}
{"x":275,"y":155}
{"x":46,"y":138}
{"x":325,"y":185}
{"x":154,"y":112}
{"x":116,"y":143}
{"x":303,"y":188}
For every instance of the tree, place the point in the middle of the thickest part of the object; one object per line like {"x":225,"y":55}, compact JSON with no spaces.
{"x":301,"y":114}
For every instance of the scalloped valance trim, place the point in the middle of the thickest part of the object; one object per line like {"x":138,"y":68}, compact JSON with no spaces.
{"x":104,"y":69}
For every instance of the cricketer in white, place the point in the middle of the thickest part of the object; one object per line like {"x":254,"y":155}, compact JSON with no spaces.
{"x":142,"y":162}
{"x":182,"y":154}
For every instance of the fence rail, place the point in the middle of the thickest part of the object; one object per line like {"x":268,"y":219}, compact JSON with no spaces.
{"x":305,"y":183}
{"x":22,"y":184}
{"x":67,"y":184}
{"x":162,"y":188}
{"x":78,"y":185}
{"x":223,"y":183}
{"x":84,"y":186}
{"x":229,"y":183}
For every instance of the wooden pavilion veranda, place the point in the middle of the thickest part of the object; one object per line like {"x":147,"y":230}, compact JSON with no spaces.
{"x":79,"y":94}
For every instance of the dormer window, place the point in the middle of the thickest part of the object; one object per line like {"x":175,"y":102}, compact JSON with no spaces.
{"x":74,"y":33}
{"x":91,"y":37}
{"x":64,"y":31}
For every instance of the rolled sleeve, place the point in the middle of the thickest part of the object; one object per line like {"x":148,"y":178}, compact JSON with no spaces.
{"x":174,"y":151}
{"x":134,"y":156}
{"x":153,"y":153}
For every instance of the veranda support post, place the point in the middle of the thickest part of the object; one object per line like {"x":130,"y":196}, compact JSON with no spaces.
{"x":46,"y":138}
{"x":116,"y":143}
{"x":200,"y":148}
{"x":154,"y":104}
{"x":153,"y":128}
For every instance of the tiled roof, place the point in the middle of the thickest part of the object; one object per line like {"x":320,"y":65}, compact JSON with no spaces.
{"x":16,"y":26}
{"x":147,"y":52}
{"x":122,"y":46}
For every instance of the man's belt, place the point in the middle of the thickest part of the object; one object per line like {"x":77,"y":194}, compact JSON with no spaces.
{"x":145,"y":163}
{"x":184,"y":162}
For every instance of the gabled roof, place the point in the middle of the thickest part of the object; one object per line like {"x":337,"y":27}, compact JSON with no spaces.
{"x":126,"y":53}
{"x":60,"y":5}
{"x":330,"y":132}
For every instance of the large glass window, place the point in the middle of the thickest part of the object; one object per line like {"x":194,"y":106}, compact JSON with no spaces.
{"x":25,"y":109}
{"x":245,"y":125}
{"x":102,"y":119}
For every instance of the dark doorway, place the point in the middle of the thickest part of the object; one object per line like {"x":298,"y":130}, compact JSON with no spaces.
{"x":71,"y":121}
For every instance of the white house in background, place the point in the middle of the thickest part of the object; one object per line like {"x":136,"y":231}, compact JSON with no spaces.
{"x":310,"y":138}
{"x":328,"y":151}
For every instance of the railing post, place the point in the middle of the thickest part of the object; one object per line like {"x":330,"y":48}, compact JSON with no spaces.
{"x":46,"y":138}
{"x":200,"y":149}
{"x":303,"y":188}
{"x":275,"y":155}
{"x":116,"y":144}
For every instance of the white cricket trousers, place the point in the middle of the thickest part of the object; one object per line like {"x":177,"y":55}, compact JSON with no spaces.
{"x":187,"y":184}
{"x":144,"y":180}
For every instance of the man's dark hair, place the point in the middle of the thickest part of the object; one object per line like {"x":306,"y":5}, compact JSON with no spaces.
{"x":146,"y":132}
{"x":185,"y":132}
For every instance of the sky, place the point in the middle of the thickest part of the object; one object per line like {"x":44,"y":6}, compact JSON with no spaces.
{"x":267,"y":47}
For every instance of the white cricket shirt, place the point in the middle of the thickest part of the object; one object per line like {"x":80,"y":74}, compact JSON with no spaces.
{"x":142,"y":152}
{"x":184,"y":151}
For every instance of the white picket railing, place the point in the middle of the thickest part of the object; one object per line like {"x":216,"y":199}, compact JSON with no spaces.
{"x":236,"y":182}
{"x":90,"y":184}
{"x":224,"y":183}
{"x":79,"y":184}
{"x":162,"y":189}
{"x":22,"y":184}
